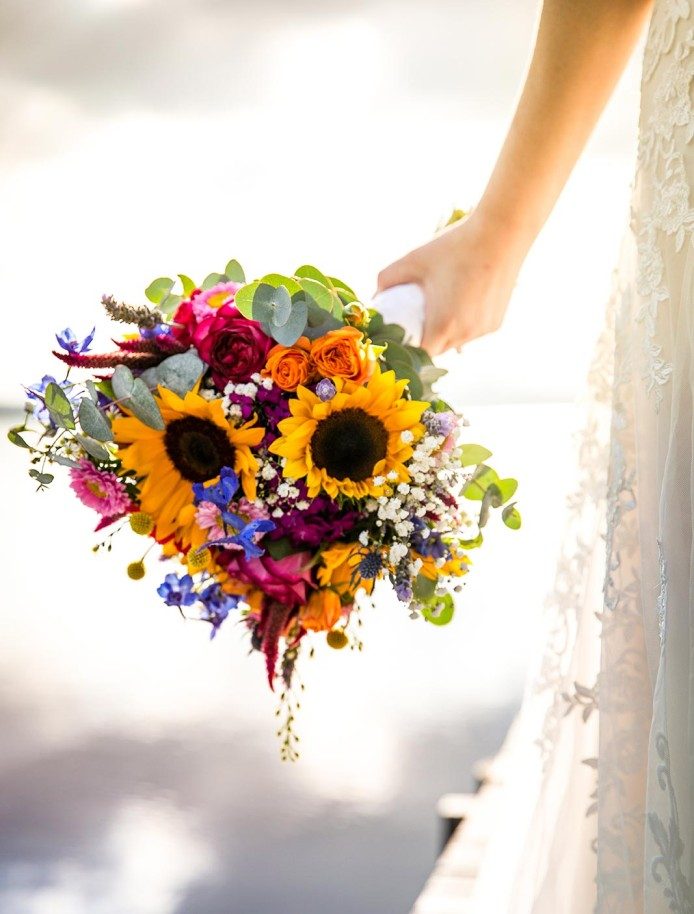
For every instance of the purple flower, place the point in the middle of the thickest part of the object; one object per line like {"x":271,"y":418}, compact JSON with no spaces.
{"x":176,"y":591}
{"x":216,"y":606}
{"x":325,"y":389}
{"x":440,"y":423}
{"x":403,"y":591}
{"x":69,"y":342}
{"x":322,"y":522}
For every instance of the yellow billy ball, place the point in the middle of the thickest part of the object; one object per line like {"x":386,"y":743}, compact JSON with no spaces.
{"x":141,"y":523}
{"x":337,"y":639}
{"x":136,"y":571}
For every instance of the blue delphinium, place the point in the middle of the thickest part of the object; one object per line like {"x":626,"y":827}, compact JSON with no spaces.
{"x":69,"y":342}
{"x":176,"y":591}
{"x":245,"y":537}
{"x":216,"y":606}
{"x":221,"y":493}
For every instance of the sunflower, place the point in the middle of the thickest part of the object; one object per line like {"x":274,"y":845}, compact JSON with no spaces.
{"x":350,"y":443}
{"x":196,"y":443}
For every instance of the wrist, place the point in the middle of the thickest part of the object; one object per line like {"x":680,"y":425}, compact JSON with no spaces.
{"x":497,"y":234}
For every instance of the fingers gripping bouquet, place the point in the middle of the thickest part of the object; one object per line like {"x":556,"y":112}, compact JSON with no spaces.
{"x":282,"y":444}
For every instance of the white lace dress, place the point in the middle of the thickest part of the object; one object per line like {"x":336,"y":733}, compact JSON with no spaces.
{"x":606,"y":822}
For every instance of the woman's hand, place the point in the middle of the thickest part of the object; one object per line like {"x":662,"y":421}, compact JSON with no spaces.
{"x":467,"y":273}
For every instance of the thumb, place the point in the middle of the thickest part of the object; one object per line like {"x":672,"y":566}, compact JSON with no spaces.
{"x":401,"y":271}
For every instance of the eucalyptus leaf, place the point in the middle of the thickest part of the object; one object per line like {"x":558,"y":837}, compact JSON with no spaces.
{"x":93,"y":421}
{"x":92,"y":390}
{"x":507,"y":489}
{"x":15,"y":438}
{"x":169,"y":304}
{"x":43,"y":479}
{"x":279,"y":279}
{"x":234,"y":271}
{"x":144,"y":406}
{"x":106,"y":388}
{"x":213,"y":279}
{"x":64,"y":461}
{"x":94,"y":448}
{"x":473,"y":454}
{"x":309,"y":272}
{"x":439,"y":610}
{"x":244,"y":298}
{"x":58,"y":406}
{"x":187,"y":283}
{"x":159,"y":288}
{"x":482,"y":478}
{"x":473,"y":543}
{"x":339,"y":285}
{"x":122,"y":382}
{"x":272,"y":305}
{"x":511,"y":517}
{"x":321,"y":295}
{"x":319,"y":322}
{"x":429,"y":375}
{"x":424,"y":588}
{"x":288,"y":333}
{"x":179,"y":373}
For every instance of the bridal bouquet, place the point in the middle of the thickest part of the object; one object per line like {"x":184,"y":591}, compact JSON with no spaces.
{"x":281,"y":445}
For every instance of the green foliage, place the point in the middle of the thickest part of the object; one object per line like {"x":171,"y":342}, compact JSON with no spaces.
{"x":59,"y":407}
{"x":282,"y":317}
{"x":43,"y":479}
{"x":15,"y":438}
{"x":212,"y":279}
{"x":511,"y":516}
{"x":439,"y":610}
{"x":160,"y":292}
{"x":179,"y":373}
{"x":187,"y":283}
{"x":94,"y":448}
{"x":424,"y":588}
{"x":93,"y":421}
{"x":473,"y":454}
{"x":234,"y":272}
{"x":134,"y":394}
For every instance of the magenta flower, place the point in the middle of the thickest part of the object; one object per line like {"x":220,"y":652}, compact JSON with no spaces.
{"x":99,"y":489}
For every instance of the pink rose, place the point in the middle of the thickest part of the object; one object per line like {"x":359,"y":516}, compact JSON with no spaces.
{"x":233,"y":346}
{"x":284,"y":580}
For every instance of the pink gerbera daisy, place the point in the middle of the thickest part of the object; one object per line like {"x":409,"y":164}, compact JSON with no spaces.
{"x":99,"y":489}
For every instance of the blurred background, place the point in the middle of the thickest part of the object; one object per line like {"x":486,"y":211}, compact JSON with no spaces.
{"x":139,"y":772}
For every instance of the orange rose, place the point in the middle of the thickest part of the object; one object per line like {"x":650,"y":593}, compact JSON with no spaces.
{"x":322,"y":611}
{"x":290,"y":366}
{"x":343,"y":353}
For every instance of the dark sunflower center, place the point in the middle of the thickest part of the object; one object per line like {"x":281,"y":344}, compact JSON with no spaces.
{"x":349,"y":444}
{"x":198,"y":448}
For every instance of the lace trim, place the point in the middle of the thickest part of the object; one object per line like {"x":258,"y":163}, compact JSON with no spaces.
{"x":666,"y":868}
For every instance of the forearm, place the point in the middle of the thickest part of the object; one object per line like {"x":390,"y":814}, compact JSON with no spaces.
{"x":582,"y":48}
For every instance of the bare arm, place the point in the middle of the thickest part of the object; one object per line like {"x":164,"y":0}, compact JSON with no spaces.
{"x":468,"y":272}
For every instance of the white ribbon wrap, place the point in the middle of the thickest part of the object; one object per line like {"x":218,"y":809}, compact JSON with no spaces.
{"x":403,"y":305}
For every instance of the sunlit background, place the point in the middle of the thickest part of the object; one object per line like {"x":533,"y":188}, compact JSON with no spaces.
{"x":139,"y":772}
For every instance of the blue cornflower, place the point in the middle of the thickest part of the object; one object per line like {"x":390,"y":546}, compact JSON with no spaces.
{"x":177,"y":591}
{"x":216,"y":606}
{"x":221,"y":493}
{"x":69,"y":342}
{"x":245,"y":537}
